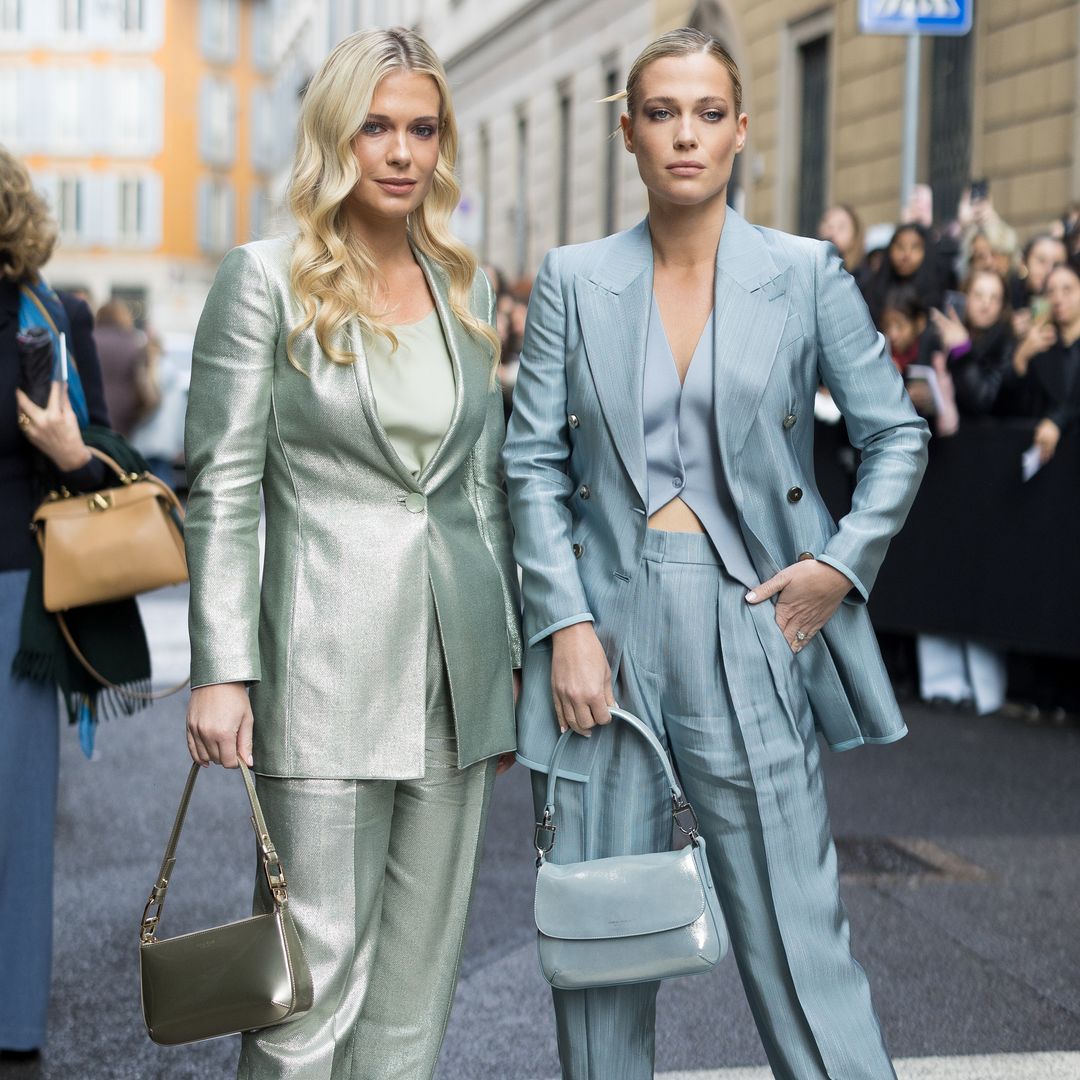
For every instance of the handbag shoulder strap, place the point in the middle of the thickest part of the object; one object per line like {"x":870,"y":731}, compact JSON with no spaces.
{"x":274,"y":871}
{"x":682,"y":812}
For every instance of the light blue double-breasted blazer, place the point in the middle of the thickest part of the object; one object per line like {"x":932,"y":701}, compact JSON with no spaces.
{"x":788,"y":317}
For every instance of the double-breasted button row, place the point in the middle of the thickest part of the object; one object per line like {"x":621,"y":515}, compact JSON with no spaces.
{"x":794,"y":494}
{"x":573,"y":421}
{"x":579,"y":550}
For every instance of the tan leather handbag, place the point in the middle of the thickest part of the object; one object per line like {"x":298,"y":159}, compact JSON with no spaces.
{"x":110,"y":544}
{"x":238,"y":977}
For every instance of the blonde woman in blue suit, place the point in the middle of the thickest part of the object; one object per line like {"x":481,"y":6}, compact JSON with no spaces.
{"x":348,"y":372}
{"x":677,"y":558}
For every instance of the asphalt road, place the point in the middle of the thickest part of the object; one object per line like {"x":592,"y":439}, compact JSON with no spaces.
{"x":967,"y":924}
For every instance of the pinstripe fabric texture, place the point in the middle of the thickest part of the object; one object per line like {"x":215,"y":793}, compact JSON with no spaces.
{"x":720,"y":687}
{"x":787,"y":316}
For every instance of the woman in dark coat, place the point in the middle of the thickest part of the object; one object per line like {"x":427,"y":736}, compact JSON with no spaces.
{"x":40,"y":447}
{"x":911,"y":259}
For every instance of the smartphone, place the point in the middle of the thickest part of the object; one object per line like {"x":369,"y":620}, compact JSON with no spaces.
{"x":1040,"y":308}
{"x":980,"y":189}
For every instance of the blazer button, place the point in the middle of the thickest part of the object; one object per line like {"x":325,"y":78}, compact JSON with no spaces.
{"x":415,"y":503}
{"x":573,"y":421}
{"x":794,"y":494}
{"x":789,"y":421}
{"x":805,"y":555}
{"x":584,"y":491}
{"x":579,"y":550}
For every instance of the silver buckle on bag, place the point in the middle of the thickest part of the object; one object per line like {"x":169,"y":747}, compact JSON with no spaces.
{"x":684,"y":817}
{"x":544,"y":830}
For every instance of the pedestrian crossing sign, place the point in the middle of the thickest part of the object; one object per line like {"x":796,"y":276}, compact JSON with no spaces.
{"x":915,"y":16}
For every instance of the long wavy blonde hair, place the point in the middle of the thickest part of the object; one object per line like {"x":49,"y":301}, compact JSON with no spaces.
{"x":333,"y":273}
{"x":27,"y":229}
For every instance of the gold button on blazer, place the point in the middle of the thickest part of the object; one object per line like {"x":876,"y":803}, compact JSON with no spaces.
{"x":334,"y":637}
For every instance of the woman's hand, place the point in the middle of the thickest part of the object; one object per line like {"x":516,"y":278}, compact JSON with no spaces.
{"x":54,"y":430}
{"x":580,"y":678}
{"x":1047,"y":434}
{"x":219,"y":725}
{"x":950,"y":329}
{"x":808,"y":593}
{"x":1038,"y":339}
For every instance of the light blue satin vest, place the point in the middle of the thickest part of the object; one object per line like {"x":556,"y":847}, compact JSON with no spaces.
{"x":682,"y":446}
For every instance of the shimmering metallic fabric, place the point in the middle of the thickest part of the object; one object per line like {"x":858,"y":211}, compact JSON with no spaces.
{"x":354,"y":543}
{"x":380,"y":877}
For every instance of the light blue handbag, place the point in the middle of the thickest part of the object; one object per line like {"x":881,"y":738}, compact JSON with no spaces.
{"x":629,"y":918}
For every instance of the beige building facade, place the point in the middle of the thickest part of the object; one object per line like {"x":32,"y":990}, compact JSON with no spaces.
{"x":825,"y":103}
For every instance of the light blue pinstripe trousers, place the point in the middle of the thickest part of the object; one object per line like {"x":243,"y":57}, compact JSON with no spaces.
{"x":721,"y":687}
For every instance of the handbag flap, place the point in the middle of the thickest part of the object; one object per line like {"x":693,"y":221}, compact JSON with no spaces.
{"x":623,"y":896}
{"x":79,"y":506}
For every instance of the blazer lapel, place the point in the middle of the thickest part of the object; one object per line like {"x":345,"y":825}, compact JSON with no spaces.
{"x":751,"y":308}
{"x":613,"y":306}
{"x":472,"y":380}
{"x":354,"y":342}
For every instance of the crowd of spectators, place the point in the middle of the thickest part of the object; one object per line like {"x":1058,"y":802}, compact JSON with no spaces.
{"x":980,"y":327}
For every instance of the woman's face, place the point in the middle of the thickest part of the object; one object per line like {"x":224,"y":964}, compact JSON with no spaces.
{"x":982,"y":255}
{"x":985,"y":300}
{"x":901,"y":331}
{"x":685,"y":133}
{"x":837,"y":226}
{"x":397,"y":147}
{"x":1063,"y":292}
{"x":1044,"y":255}
{"x":906,"y":253}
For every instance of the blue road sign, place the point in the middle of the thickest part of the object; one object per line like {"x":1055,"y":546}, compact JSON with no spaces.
{"x":915,"y":16}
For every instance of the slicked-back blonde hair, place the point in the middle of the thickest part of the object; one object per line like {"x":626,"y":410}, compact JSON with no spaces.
{"x":27,"y":229}
{"x":685,"y":41}
{"x":333,"y":273}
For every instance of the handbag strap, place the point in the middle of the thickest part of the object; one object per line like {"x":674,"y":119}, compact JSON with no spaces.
{"x":272,"y":868}
{"x":135,"y":695}
{"x":681,"y":811}
{"x":127,"y":478}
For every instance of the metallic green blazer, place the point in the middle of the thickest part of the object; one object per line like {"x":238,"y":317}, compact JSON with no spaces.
{"x":334,"y":638}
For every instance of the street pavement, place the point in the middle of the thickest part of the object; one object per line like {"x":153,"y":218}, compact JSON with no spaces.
{"x":960,"y":848}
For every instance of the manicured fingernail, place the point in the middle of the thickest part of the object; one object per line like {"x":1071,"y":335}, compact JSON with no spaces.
{"x":751,"y":596}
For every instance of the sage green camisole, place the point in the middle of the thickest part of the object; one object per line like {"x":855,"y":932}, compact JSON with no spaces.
{"x":414,"y":388}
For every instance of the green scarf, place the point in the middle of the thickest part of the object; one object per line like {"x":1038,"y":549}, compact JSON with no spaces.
{"x":111,"y":636}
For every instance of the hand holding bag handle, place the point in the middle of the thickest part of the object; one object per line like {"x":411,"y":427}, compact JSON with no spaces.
{"x":626,"y":918}
{"x":238,"y":977}
{"x":681,"y":811}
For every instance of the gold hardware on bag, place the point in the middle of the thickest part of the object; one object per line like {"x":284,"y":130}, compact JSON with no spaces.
{"x":100,"y":500}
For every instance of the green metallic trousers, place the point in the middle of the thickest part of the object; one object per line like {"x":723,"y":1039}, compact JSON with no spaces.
{"x":381,"y":873}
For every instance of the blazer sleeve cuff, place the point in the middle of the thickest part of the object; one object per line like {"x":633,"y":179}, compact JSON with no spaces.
{"x":861,"y":594}
{"x":585,"y":616}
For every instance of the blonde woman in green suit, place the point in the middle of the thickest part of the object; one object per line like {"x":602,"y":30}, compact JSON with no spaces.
{"x":348,"y":373}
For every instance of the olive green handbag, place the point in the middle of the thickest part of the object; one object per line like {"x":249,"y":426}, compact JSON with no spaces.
{"x":238,"y":977}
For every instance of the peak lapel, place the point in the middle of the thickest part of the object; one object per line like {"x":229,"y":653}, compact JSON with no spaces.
{"x":751,"y":306}
{"x":613,"y":305}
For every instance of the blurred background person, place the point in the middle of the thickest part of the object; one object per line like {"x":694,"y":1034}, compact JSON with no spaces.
{"x":124,"y":352}
{"x":909,"y":260}
{"x":1027,"y":284}
{"x":841,"y":225}
{"x":918,"y":356}
{"x":41,"y":447}
{"x":978,"y":343}
{"x":1045,"y":378}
